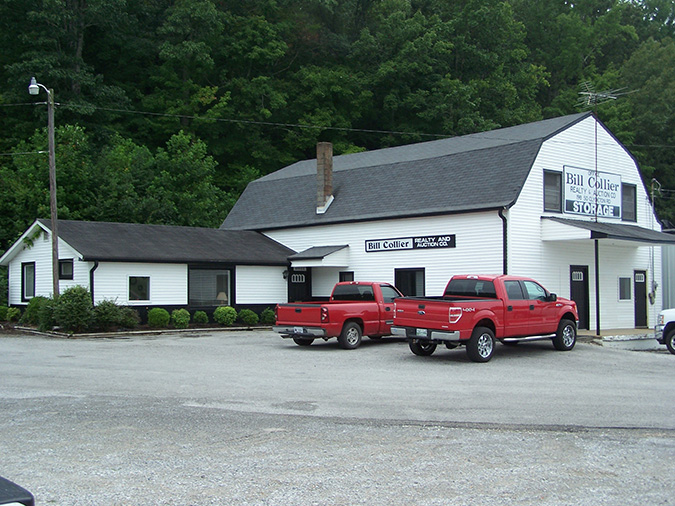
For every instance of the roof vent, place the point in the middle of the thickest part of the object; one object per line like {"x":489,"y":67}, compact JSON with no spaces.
{"x":324,"y":176}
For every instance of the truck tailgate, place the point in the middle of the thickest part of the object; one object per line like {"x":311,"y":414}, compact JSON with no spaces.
{"x":299,"y":314}
{"x":429,"y":314}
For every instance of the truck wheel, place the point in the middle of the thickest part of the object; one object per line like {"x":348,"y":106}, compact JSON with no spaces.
{"x":350,"y":338}
{"x":670,"y":342}
{"x":481,"y":345}
{"x":566,"y":336}
{"x":422,"y":348}
{"x":303,"y":341}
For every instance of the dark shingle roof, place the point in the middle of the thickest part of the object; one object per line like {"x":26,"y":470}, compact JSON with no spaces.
{"x":619,"y":231}
{"x":130,"y":242}
{"x":473,"y":172}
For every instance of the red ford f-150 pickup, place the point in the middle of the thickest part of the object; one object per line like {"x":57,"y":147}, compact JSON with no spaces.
{"x":355,"y":309}
{"x":474,"y":311}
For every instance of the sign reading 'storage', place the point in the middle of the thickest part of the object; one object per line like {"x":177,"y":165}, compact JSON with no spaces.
{"x":592,"y":193}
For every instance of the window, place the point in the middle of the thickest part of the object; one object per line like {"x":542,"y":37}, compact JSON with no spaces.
{"x":624,"y":288}
{"x":389,"y":293}
{"x":552,"y":191}
{"x":628,"y":202}
{"x":470,"y":288}
{"x":410,"y":281}
{"x":513,"y":290}
{"x":346,"y":276}
{"x":27,"y":281}
{"x":209,"y":287}
{"x":534,"y":291}
{"x":66,"y":269}
{"x":139,"y":288}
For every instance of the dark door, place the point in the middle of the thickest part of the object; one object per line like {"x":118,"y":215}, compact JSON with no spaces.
{"x":640,"y":285}
{"x":300,"y":285}
{"x":579,"y":293}
{"x":410,"y":282}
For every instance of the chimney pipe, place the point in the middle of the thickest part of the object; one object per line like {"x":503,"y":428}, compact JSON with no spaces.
{"x":324,"y":176}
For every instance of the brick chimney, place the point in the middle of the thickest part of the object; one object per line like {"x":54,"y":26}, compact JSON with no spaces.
{"x":324,"y":176}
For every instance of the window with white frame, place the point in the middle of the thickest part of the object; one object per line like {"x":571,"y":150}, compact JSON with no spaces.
{"x":624,"y":288}
{"x":552,"y":191}
{"x":27,"y":281}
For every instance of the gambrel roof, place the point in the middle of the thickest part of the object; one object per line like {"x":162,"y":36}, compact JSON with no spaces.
{"x":473,"y":172}
{"x":132,"y":242}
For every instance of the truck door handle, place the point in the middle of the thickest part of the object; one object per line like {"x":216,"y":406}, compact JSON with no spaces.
{"x":387,"y":308}
{"x":509,"y":308}
{"x":531,"y":307}
{"x":298,"y":310}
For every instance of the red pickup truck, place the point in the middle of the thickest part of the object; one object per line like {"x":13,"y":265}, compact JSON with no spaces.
{"x":355,"y":309}
{"x":476,"y":310}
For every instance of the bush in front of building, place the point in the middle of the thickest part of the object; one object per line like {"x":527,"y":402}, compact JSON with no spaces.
{"x":225,"y":315}
{"x":180,"y":318}
{"x":46,"y":321}
{"x":267,"y":317}
{"x":74,"y":311}
{"x":3,"y":313}
{"x":158,"y":317}
{"x":31,"y":314}
{"x":200,"y":317}
{"x":13,"y":314}
{"x":107,"y":315}
{"x":129,"y":318}
{"x":248,"y":317}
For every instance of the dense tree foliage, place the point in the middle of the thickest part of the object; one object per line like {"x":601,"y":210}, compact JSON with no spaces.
{"x":167,"y":108}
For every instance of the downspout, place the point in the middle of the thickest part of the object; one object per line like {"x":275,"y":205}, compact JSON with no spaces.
{"x":505,"y":257}
{"x":91,"y":281}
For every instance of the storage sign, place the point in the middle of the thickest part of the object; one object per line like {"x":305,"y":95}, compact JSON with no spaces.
{"x":592,"y":193}
{"x":403,"y":243}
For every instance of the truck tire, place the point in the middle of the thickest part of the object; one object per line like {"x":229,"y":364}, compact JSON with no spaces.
{"x":481,"y":346}
{"x":350,"y":337}
{"x":670,"y":341}
{"x":566,"y":336}
{"x":422,"y":348}
{"x":303,"y":341}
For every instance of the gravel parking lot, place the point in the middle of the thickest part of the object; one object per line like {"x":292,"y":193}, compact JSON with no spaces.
{"x":249,"y":418}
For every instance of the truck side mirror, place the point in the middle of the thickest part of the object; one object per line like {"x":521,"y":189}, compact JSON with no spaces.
{"x":552,"y":297}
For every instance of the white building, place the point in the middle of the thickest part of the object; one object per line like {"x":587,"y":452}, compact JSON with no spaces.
{"x":145,"y":266}
{"x":560,"y":200}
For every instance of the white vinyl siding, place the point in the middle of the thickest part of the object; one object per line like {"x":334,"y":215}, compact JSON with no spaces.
{"x":168,"y":283}
{"x":261,"y":285}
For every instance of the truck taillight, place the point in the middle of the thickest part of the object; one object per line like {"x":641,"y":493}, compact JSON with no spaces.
{"x":324,"y":314}
{"x":454,"y":314}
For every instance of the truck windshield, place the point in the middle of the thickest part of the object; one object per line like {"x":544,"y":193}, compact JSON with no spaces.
{"x":353,"y":292}
{"x":470,"y":288}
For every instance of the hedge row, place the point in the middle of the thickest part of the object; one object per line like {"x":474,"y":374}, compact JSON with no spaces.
{"x":73,"y":311}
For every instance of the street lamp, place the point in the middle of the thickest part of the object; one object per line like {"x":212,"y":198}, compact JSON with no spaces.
{"x":34,"y":89}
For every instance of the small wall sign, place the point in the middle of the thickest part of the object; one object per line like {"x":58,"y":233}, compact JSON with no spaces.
{"x":405,"y":243}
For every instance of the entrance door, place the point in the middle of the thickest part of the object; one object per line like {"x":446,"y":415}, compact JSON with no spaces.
{"x":300,"y":285}
{"x":640,"y":285}
{"x":410,"y":282}
{"x":579,"y":293}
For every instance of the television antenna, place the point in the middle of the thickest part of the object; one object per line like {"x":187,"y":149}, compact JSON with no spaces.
{"x":590,"y":99}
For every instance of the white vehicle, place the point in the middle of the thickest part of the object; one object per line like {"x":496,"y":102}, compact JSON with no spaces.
{"x":665,"y":329}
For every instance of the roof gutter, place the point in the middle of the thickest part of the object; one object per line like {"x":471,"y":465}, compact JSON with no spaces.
{"x":91,"y":281}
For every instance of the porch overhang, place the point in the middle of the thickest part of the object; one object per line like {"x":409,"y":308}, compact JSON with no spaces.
{"x":563,"y":229}
{"x":321,"y":256}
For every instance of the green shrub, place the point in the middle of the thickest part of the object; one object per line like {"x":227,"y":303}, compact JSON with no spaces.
{"x":3,"y":313}
{"x":129,"y":318}
{"x":30,"y":315}
{"x":180,"y":318}
{"x":200,"y":317}
{"x":46,"y":321}
{"x":107,"y":314}
{"x":248,"y":317}
{"x":158,"y":317}
{"x":267,"y":317}
{"x":225,"y":315}
{"x":74,"y":310}
{"x":13,"y":314}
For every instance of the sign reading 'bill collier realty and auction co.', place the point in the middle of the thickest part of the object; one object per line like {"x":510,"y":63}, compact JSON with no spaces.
{"x":403,"y":243}
{"x":592,"y":193}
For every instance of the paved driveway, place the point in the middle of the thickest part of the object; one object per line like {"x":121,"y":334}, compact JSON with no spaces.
{"x":249,"y":418}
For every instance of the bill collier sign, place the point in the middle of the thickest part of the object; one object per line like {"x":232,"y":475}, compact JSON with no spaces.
{"x":592,"y":193}
{"x":401,"y":243}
